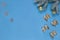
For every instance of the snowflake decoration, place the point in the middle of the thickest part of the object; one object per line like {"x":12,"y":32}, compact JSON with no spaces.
{"x":42,"y":5}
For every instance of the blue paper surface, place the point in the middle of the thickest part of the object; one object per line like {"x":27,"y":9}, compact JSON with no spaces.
{"x":27,"y":21}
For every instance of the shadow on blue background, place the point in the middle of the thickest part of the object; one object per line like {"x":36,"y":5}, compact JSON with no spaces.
{"x":27,"y":21}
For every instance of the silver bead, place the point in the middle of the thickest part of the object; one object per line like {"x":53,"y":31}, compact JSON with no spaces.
{"x":44,"y":28}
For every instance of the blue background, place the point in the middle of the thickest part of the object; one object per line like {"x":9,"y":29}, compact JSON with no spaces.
{"x":27,"y":21}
